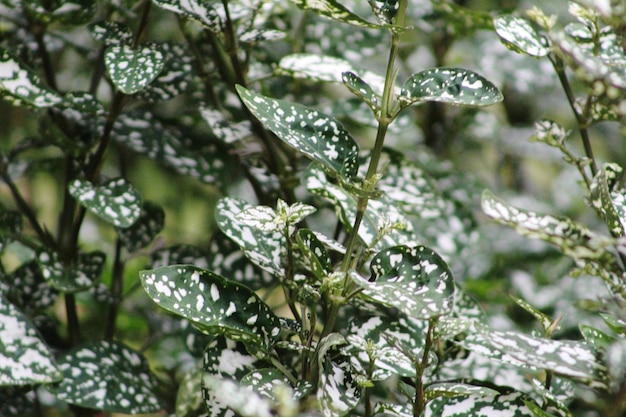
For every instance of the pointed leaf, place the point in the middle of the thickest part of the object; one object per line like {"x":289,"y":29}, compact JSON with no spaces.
{"x":24,"y":357}
{"x":262,"y":249}
{"x":317,"y":135}
{"x":143,"y":231}
{"x":132,"y":70}
{"x":116,"y":201}
{"x":84,"y":273}
{"x":334,"y":10}
{"x":213,"y":303}
{"x":108,"y":376}
{"x":254,"y":36}
{"x":601,"y":198}
{"x":314,"y":252}
{"x":509,"y":405}
{"x":517,"y":34}
{"x":202,"y":11}
{"x":413,"y":279}
{"x":543,"y":319}
{"x":361,"y":89}
{"x":449,"y":85}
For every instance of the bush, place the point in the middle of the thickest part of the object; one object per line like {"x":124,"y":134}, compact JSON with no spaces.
{"x":299,"y":193}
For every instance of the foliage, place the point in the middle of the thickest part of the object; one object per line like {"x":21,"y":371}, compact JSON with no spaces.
{"x":255,"y":208}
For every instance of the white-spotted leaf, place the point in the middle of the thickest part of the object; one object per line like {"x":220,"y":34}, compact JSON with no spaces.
{"x":19,"y":84}
{"x":451,"y":389}
{"x":143,"y":231}
{"x":111,"y":33}
{"x":176,"y":77}
{"x":506,"y":405}
{"x":414,"y":280}
{"x":107,"y":376}
{"x":84,"y":273}
{"x":116,"y":201}
{"x":315,"y":134}
{"x":24,"y":357}
{"x":263,"y":249}
{"x":266,"y":382}
{"x":544,"y":320}
{"x":609,"y":205}
{"x":314,"y":252}
{"x":132,"y":70}
{"x":361,"y":89}
{"x":213,"y":303}
{"x":449,"y":85}
{"x":202,"y":11}
{"x":228,"y":396}
{"x":27,"y":289}
{"x":517,"y":34}
{"x":385,"y":10}
{"x":226,"y":131}
{"x":334,"y":10}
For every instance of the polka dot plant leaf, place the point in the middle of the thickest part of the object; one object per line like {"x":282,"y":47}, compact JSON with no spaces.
{"x":315,"y":134}
{"x":414,"y":280}
{"x":361,"y":89}
{"x":517,"y":34}
{"x":111,"y":33}
{"x":449,"y":85}
{"x":107,"y":376}
{"x":213,"y":303}
{"x":84,"y":273}
{"x":334,"y":10}
{"x":24,"y":357}
{"x":201,"y":11}
{"x":132,"y":70}
{"x":116,"y":201}
{"x":609,"y":204}
{"x":143,"y":231}
{"x":508,"y":405}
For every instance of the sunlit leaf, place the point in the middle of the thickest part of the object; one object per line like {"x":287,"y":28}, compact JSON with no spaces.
{"x":116,"y":201}
{"x":517,"y":34}
{"x":449,"y":85}
{"x":233,"y":396}
{"x":334,"y":10}
{"x":24,"y":358}
{"x":213,"y":303}
{"x":107,"y":376}
{"x":317,"y":135}
{"x":84,"y":273}
{"x":132,"y":70}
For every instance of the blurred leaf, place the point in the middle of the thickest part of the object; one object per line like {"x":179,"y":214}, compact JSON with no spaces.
{"x":73,"y":12}
{"x":213,"y":303}
{"x":265,"y":382}
{"x":604,"y":201}
{"x":596,"y":338}
{"x":226,"y":131}
{"x":385,"y":10}
{"x":318,"y":136}
{"x":414,"y":280}
{"x":131,"y":70}
{"x":544,"y":320}
{"x":116,"y":201}
{"x":176,"y":77}
{"x":189,"y":402}
{"x":334,"y":10}
{"x":449,"y":85}
{"x":27,"y":289}
{"x":24,"y":358}
{"x":234,"y":397}
{"x":253,"y":36}
{"x":452,"y":389}
{"x":11,"y":225}
{"x":517,"y":34}
{"x":616,"y":324}
{"x":17,"y":401}
{"x":509,"y":405}
{"x":536,"y":410}
{"x":202,"y":11}
{"x":459,"y":20}
{"x":143,"y":231}
{"x":107,"y":376}
{"x":84,"y":273}
{"x":110,"y":32}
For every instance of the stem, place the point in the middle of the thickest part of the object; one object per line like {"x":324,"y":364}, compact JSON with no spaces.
{"x":117,"y":284}
{"x":73,"y":325}
{"x":419,"y":402}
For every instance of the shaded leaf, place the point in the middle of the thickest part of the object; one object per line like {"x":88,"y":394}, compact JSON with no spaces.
{"x":315,"y":134}
{"x":143,"y":231}
{"x":449,"y":85}
{"x":176,"y":77}
{"x":265,"y":382}
{"x":73,"y":12}
{"x":27,"y":289}
{"x":84,"y":273}
{"x":107,"y":376}
{"x":334,"y":10}
{"x":116,"y":201}
{"x":110,"y":32}
{"x":202,"y":11}
{"x":314,"y":252}
{"x":189,"y":401}
{"x":226,"y":131}
{"x":24,"y":357}
{"x":132,"y":70}
{"x":213,"y":303}
{"x":517,"y":34}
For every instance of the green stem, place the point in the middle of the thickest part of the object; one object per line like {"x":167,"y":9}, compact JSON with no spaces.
{"x":117,"y":284}
{"x":419,"y":402}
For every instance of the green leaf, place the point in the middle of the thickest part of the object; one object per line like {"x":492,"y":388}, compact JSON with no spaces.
{"x":107,"y":376}
{"x":20,"y":85}
{"x":449,"y":85}
{"x":189,"y":402}
{"x":573,"y":239}
{"x":226,"y":131}
{"x":337,"y":393}
{"x":414,"y":280}
{"x":116,"y":201}
{"x":616,"y":324}
{"x":362,"y":90}
{"x":236,"y":398}
{"x":254,"y":36}
{"x":267,"y":220}
{"x":385,"y":10}
{"x":213,"y":303}
{"x":84,"y":273}
{"x":202,"y":11}
{"x":27,"y":289}
{"x":508,"y":405}
{"x":110,"y":32}
{"x":265,"y":382}
{"x":17,"y":401}
{"x":132,"y":70}
{"x":543,"y":319}
{"x":314,"y":252}
{"x":602,"y":199}
{"x":143,"y":231}
{"x":73,"y":12}
{"x":263,"y":249}
{"x":176,"y":77}
{"x":315,"y":134}
{"x":596,"y":338}
{"x":24,"y":358}
{"x":460,"y":21}
{"x":334,"y":10}
{"x":452,"y":389}
{"x":517,"y":34}
{"x":536,"y":410}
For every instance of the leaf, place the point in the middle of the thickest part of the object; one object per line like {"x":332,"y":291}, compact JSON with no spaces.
{"x":267,"y":220}
{"x":449,"y":85}
{"x":107,"y":376}
{"x":536,"y":410}
{"x":28,"y":290}
{"x":24,"y":357}
{"x":317,"y":135}
{"x":143,"y":231}
{"x":573,"y":239}
{"x":233,"y":396}
{"x":225,"y":130}
{"x":334,"y":10}
{"x":385,"y":10}
{"x":213,"y":303}
{"x":602,"y":199}
{"x":544,"y":320}
{"x":265,"y":382}
{"x":327,"y":69}
{"x":116,"y":201}
{"x":132,"y":70}
{"x":315,"y":253}
{"x":508,"y":405}
{"x":20,"y":85}
{"x":202,"y":11}
{"x":254,"y":36}
{"x":452,"y":389}
{"x":110,"y":32}
{"x":337,"y":392}
{"x":72,"y":12}
{"x":189,"y":402}
{"x":262,"y":249}
{"x":616,"y":324}
{"x":596,"y":338}
{"x":414,"y":280}
{"x":517,"y":34}
{"x":176,"y":77}
{"x":84,"y":273}
{"x":362,"y":90}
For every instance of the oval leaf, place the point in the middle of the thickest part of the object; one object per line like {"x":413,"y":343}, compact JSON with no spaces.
{"x":315,"y":134}
{"x":84,"y":273}
{"x":334,"y":10}
{"x":132,"y":70}
{"x":116,"y":201}
{"x":449,"y":85}
{"x":517,"y":34}
{"x":361,"y":89}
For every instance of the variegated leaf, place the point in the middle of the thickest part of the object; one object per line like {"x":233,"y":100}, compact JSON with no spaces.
{"x":603,"y":200}
{"x":334,"y":10}
{"x":362,"y":90}
{"x":314,"y":252}
{"x":202,"y":11}
{"x":231,"y":397}
{"x":517,"y":34}
{"x":451,"y":389}
{"x":507,"y":405}
{"x":544,"y":320}
{"x":143,"y":231}
{"x":110,"y":32}
{"x":132,"y":70}
{"x":84,"y":273}
{"x":226,"y":131}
